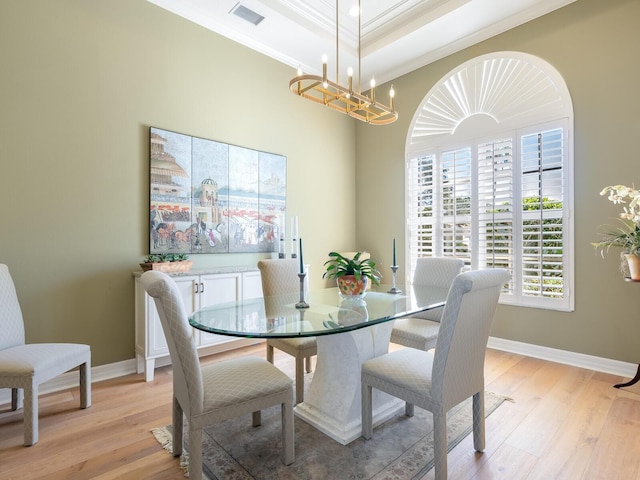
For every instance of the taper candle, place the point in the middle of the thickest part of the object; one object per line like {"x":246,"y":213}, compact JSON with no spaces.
{"x":394,"y":251}
{"x":294,"y":236}
{"x":301,"y":261}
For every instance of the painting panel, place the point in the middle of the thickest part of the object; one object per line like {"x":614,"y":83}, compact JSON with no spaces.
{"x":210,"y":179}
{"x":272,"y":194}
{"x":243,"y":199}
{"x":170,"y":196}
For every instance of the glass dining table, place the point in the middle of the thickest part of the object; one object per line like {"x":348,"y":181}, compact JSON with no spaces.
{"x":348,"y":332}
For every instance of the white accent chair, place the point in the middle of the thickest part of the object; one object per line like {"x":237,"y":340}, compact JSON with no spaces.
{"x":215,"y":392}
{"x":421,"y":330}
{"x":439,"y":379}
{"x":23,"y":367}
{"x":280,"y":276}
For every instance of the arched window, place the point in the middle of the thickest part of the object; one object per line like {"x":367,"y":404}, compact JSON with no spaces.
{"x":489,"y":175}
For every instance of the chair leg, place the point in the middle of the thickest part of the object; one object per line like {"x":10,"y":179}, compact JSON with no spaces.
{"x":177,"y":428}
{"x":307,"y":362}
{"x":16,"y":398}
{"x":299,"y":380}
{"x":408,"y":409}
{"x":440,"y":444}
{"x":288,"y":439}
{"x":195,"y":452}
{"x":478,"y":422}
{"x":31,"y":414}
{"x":367,"y":412}
{"x":85,"y":385}
{"x":256,"y":418}
{"x":269,"y":353}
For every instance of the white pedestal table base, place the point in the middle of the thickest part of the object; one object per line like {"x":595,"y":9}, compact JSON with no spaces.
{"x":333,"y":401}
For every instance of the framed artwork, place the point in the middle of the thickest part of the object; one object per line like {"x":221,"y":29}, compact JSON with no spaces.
{"x":212,"y":197}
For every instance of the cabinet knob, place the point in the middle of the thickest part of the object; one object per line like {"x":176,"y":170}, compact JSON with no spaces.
{"x":201,"y":287}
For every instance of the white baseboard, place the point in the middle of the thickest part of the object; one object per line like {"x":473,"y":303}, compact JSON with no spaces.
{"x":70,"y":379}
{"x":599,"y":364}
{"x":126,"y":367}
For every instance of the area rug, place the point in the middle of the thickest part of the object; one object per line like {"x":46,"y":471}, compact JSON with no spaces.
{"x":401,"y":448}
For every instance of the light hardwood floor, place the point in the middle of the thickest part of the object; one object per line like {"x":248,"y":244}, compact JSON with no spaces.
{"x":563,"y":422}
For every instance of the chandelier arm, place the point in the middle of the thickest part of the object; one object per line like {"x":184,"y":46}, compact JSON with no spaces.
{"x":359,"y":47}
{"x":321,"y":90}
{"x":337,"y":43}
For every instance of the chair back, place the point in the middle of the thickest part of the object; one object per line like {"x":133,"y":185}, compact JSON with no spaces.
{"x":279,"y":276}
{"x":436,"y":272}
{"x":458,"y":364}
{"x":11,"y":323}
{"x":187,"y":377}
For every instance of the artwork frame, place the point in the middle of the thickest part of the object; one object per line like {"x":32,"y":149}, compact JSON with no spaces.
{"x":207,"y":196}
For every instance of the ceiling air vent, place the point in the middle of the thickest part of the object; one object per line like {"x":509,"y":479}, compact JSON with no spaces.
{"x":246,"y":14}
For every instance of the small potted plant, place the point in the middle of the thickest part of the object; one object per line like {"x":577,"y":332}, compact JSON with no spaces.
{"x":352,"y":274}
{"x":167,"y":262}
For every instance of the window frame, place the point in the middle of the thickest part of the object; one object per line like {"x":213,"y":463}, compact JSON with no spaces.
{"x":515,"y":297}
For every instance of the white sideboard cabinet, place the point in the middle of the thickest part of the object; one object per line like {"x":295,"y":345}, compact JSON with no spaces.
{"x":199,"y":289}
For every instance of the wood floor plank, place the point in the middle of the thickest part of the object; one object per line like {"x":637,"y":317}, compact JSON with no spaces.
{"x":508,"y":463}
{"x":568,"y":453}
{"x":616,"y":452}
{"x":533,"y":435}
{"x":562,"y":423}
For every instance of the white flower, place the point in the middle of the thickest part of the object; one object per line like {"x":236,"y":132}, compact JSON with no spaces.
{"x":618,"y":194}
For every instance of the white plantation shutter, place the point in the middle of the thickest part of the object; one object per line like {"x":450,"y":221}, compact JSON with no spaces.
{"x":420,"y":219}
{"x":489,"y":176}
{"x":495,"y":206}
{"x":542,"y":214}
{"x":455,"y":201}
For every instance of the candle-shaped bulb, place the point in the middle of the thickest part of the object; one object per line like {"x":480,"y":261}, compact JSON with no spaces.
{"x":350,"y":81}
{"x":299,"y":72}
{"x":392,"y":94}
{"x":325,"y":83}
{"x":373,"y":90}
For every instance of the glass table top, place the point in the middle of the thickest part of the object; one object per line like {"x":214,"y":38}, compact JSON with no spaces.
{"x":328,"y":312}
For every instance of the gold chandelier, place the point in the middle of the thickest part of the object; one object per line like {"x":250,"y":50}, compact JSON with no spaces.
{"x":344,"y":99}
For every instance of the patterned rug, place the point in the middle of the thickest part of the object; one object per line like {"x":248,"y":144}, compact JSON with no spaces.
{"x":401,"y":448}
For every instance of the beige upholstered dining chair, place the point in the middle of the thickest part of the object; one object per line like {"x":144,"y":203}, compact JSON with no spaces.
{"x":215,"y":392}
{"x":23,"y":367}
{"x":439,"y":379}
{"x":421,"y":330}
{"x":279,"y":277}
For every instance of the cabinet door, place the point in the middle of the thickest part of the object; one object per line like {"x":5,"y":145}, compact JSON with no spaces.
{"x":150,"y":341}
{"x":217,"y":288}
{"x":155,"y":339}
{"x":188,"y":286}
{"x":251,"y":285}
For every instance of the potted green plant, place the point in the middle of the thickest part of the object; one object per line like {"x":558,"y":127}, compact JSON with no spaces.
{"x":352,"y":274}
{"x":627,"y":235}
{"x":167,"y":262}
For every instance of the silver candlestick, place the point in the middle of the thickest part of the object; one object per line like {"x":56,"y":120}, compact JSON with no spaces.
{"x":394,"y":269}
{"x":302,"y":303}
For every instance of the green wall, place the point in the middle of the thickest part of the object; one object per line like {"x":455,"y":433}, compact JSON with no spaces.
{"x":595,"y":45}
{"x":81,"y":82}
